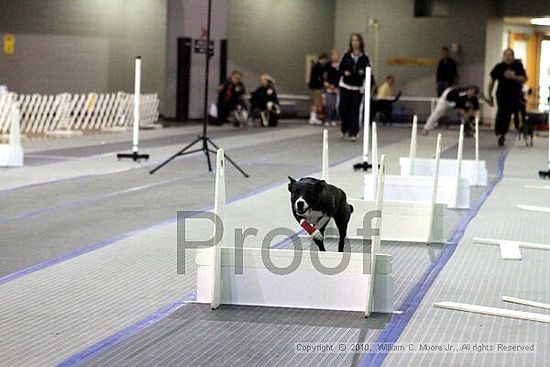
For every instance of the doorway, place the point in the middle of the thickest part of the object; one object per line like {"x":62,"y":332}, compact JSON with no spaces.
{"x":544,"y":75}
{"x":183,"y":77}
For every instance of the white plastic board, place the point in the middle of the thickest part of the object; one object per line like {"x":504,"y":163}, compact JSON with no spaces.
{"x":419,"y":188}
{"x":304,"y":287}
{"x":404,"y":221}
{"x":426,"y":167}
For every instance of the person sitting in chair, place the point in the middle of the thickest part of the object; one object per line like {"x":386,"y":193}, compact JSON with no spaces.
{"x":382,"y":103}
{"x":264,"y":100}
{"x":231,"y":99}
{"x":465,"y":100}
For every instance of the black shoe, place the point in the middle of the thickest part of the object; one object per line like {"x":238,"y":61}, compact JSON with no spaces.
{"x":501,"y":140}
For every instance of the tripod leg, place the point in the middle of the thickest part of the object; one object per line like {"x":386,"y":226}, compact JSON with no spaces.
{"x":228,"y":159}
{"x":207,"y":152}
{"x":233,"y":163}
{"x":175,"y":155}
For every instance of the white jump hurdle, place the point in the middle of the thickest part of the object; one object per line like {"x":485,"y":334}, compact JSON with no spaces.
{"x":453,"y":191}
{"x":404,"y":221}
{"x":365,"y":285}
{"x":475,"y":171}
{"x":11,"y":154}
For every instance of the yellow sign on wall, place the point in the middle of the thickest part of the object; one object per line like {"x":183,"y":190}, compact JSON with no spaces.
{"x":9,"y":44}
{"x":408,"y":61}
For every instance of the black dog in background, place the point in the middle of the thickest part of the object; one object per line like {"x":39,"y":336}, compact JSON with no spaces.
{"x":317,"y":202}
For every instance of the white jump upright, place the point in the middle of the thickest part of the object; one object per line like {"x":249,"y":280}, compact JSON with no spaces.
{"x":11,"y":154}
{"x":325,"y":174}
{"x":366,"y":115}
{"x":135,"y":155}
{"x":376,"y":239}
{"x":375,"y":157}
{"x":412,"y":150}
{"x":219,"y":210}
{"x":474,"y":171}
{"x":255,"y":275}
{"x":433,"y":201}
{"x":458,"y":174}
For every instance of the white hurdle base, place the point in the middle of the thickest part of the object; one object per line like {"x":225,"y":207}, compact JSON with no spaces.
{"x":426,"y":167}
{"x":419,"y":188}
{"x":11,"y":155}
{"x":404,"y":221}
{"x":305,"y":287}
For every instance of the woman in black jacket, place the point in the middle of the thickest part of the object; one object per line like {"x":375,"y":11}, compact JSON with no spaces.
{"x":352,"y":69}
{"x":264,"y":100}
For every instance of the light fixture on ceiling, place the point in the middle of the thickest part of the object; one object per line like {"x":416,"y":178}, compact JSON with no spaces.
{"x":541,"y":21}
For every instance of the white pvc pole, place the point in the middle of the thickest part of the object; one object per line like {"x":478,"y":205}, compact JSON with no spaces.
{"x":15,"y":127}
{"x":476,"y":173}
{"x":459,"y":163}
{"x":434,"y":188}
{"x":375,"y":240}
{"x":412,"y":150}
{"x":219,"y":209}
{"x":324,"y":174}
{"x":374,"y":156}
{"x":366,"y":116}
{"x":137,"y":95}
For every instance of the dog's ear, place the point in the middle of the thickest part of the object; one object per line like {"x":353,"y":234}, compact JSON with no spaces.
{"x":292,"y":181}
{"x":320,"y":186}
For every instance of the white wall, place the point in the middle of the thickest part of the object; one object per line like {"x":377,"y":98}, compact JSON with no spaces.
{"x":403,"y":35}
{"x":83,"y":45}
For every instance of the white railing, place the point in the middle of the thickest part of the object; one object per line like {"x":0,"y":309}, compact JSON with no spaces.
{"x":42,"y":114}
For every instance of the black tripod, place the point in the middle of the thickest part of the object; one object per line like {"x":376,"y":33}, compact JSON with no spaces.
{"x":207,"y":145}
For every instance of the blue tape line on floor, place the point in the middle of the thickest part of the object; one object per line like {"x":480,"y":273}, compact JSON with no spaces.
{"x":127,"y":332}
{"x":398,"y":323}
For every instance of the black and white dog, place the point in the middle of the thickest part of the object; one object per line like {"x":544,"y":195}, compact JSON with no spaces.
{"x":316,"y":202}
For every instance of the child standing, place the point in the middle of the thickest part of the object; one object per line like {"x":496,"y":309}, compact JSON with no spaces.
{"x":332,"y":78}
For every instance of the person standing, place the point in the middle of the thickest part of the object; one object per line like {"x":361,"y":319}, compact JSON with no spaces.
{"x":316,"y":83}
{"x":352,"y":71}
{"x":447,"y":73}
{"x":332,"y":78}
{"x":511,"y":76}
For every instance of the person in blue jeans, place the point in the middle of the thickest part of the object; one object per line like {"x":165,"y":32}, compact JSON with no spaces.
{"x":332,"y":78}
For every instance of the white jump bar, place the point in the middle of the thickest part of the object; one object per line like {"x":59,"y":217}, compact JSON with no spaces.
{"x":494,"y":311}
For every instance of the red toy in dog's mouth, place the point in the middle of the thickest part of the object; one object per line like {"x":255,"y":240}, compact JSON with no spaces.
{"x":311,"y":230}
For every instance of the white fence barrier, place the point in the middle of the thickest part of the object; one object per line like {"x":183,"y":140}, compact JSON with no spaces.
{"x":63,"y":113}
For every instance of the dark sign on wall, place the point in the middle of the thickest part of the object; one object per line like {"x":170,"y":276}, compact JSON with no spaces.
{"x":199,"y":45}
